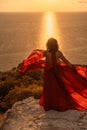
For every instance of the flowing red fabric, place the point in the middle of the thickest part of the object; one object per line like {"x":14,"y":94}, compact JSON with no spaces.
{"x":64,"y":88}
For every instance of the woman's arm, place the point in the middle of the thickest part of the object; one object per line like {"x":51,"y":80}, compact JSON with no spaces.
{"x":62,"y":57}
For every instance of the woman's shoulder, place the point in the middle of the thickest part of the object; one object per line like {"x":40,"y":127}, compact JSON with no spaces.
{"x":46,"y":52}
{"x":59,"y":53}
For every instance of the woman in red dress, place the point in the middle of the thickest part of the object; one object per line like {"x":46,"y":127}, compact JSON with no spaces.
{"x":65,"y":85}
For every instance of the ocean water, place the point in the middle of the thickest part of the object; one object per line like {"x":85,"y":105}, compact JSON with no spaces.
{"x":20,"y":33}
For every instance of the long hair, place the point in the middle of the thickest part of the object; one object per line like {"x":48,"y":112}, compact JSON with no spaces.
{"x":52,"y":45}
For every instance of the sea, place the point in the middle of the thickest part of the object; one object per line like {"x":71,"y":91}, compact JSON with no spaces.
{"x":21,"y":33}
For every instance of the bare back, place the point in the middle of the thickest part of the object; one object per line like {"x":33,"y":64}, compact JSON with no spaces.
{"x":50,"y":57}
{"x":58,"y":57}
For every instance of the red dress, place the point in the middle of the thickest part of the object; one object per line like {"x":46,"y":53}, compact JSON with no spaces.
{"x":64,"y":88}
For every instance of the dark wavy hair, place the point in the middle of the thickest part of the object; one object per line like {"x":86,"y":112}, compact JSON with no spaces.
{"x":52,"y":45}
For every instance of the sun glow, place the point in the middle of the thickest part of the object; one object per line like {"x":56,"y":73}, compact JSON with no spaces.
{"x":49,"y":26}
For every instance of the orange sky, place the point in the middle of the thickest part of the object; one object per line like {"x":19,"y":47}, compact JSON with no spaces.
{"x":42,"y":5}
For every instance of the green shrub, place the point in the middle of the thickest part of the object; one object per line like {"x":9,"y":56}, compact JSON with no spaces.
{"x":37,"y":75}
{"x":5,"y":87}
{"x":20,"y":93}
{"x":29,"y":84}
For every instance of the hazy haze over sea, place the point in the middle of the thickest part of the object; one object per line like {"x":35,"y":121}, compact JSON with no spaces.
{"x":20,"y":33}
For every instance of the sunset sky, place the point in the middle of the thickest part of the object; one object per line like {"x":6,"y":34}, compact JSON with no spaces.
{"x":42,"y":5}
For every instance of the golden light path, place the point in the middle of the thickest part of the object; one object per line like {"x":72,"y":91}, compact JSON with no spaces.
{"x":49,"y":24}
{"x":49,"y":28}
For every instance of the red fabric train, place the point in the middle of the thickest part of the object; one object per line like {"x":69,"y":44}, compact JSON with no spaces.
{"x":64,"y":89}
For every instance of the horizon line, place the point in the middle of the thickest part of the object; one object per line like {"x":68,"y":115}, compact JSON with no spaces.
{"x":43,"y":11}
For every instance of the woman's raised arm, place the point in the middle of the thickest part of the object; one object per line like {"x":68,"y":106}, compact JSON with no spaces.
{"x":63,"y":58}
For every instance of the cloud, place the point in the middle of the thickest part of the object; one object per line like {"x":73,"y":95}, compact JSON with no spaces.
{"x":83,"y":1}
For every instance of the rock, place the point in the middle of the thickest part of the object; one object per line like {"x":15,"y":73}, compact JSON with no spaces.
{"x":29,"y":115}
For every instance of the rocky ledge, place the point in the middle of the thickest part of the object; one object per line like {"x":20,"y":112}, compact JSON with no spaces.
{"x":28,"y":115}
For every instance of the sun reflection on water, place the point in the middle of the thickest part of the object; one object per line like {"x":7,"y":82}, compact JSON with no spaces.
{"x":49,"y":27}
{"x":49,"y":22}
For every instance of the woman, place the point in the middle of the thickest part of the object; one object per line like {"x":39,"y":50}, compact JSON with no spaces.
{"x":65,"y":85}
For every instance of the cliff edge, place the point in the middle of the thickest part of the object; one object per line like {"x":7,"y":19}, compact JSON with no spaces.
{"x":28,"y":115}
